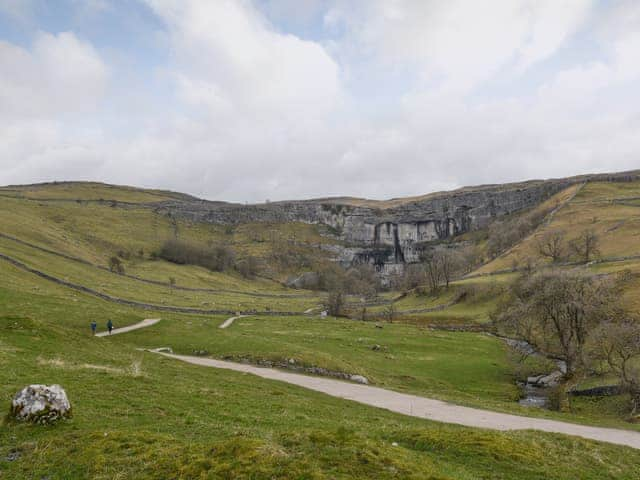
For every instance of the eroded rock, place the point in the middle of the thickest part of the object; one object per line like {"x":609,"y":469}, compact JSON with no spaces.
{"x":42,"y":404}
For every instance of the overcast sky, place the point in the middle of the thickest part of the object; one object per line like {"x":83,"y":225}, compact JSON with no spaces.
{"x":247,"y":100}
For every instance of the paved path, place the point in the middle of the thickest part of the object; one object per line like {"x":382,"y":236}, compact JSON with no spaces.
{"x":421,"y":407}
{"x":145,"y":323}
{"x":229,"y":321}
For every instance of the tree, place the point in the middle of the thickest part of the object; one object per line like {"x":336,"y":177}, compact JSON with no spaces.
{"x":616,"y":344}
{"x":555,"y":311}
{"x":440,"y":266}
{"x":390,"y":313}
{"x":429,"y":259}
{"x":335,"y":302}
{"x":172,"y":283}
{"x":248,"y":266}
{"x":115,"y":265}
{"x":586,"y":246}
{"x":448,"y":265}
{"x":552,"y":245}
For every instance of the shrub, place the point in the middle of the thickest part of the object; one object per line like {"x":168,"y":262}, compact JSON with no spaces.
{"x":217,"y":258}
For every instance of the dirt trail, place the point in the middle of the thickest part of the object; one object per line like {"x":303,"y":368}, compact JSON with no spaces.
{"x":421,"y":407}
{"x":143,"y":324}
{"x":229,"y":321}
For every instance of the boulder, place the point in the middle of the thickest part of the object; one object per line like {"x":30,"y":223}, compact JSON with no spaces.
{"x":551,"y":380}
{"x":43,"y":404}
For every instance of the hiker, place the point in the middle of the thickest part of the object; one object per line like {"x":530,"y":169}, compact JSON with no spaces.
{"x":109,"y":326}
{"x":94,"y":327}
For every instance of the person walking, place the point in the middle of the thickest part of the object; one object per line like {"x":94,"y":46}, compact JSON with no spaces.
{"x":110,"y":326}
{"x":94,"y":327}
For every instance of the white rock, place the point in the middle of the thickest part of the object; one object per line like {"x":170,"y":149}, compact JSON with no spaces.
{"x":41,"y":404}
{"x":359,"y":379}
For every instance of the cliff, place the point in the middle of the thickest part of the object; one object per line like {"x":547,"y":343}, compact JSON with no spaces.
{"x":389,"y":233}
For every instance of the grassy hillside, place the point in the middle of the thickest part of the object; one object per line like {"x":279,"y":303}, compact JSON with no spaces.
{"x":611,"y":210}
{"x":137,"y":415}
{"x":97,"y":230}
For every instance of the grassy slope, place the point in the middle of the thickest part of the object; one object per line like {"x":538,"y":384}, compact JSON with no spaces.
{"x":96,"y":231}
{"x":141,"y":416}
{"x":606,"y":208}
{"x":131,"y":289}
{"x":467,"y":368}
{"x":612,"y":210}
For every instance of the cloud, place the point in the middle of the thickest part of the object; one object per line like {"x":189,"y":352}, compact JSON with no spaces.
{"x":459,"y":43}
{"x":368,"y":98}
{"x":60,"y":74}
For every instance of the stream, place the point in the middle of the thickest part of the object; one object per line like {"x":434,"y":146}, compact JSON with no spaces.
{"x":536,"y":389}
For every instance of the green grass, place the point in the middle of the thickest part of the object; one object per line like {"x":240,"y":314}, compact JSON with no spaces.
{"x":96,"y":231}
{"x":131,"y":289}
{"x":468,"y":302}
{"x":89,"y":191}
{"x":464,"y":367}
{"x":137,"y":415}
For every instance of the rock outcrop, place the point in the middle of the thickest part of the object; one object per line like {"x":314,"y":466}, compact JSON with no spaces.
{"x":389,"y":234}
{"x":43,"y":404}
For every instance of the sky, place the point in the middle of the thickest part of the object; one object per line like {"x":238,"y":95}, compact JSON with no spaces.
{"x":255,"y":100}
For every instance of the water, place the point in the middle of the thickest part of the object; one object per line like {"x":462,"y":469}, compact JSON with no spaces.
{"x":537,"y":397}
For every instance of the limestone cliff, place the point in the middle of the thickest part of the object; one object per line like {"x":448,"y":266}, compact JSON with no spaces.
{"x":389,"y":233}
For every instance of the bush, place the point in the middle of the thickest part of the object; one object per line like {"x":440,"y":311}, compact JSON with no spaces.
{"x":217,"y":258}
{"x":115,"y":265}
{"x":248,"y":267}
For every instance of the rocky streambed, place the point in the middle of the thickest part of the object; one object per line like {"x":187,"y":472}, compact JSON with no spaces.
{"x":537,"y":388}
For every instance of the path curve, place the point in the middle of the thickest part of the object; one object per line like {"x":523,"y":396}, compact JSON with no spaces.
{"x":229,"y":321}
{"x":143,"y":324}
{"x":422,"y":407}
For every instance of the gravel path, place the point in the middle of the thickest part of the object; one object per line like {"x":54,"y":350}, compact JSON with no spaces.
{"x":144,"y":323}
{"x":229,"y":321}
{"x":421,"y":407}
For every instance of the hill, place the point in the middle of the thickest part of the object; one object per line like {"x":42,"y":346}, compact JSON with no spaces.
{"x":140,"y":415}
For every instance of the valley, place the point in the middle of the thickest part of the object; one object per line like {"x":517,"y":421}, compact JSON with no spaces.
{"x":140,"y":415}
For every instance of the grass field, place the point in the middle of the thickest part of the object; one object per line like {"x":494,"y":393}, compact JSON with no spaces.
{"x":137,"y":415}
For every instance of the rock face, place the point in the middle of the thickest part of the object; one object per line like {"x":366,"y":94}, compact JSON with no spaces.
{"x":43,"y":404}
{"x":388,"y":234}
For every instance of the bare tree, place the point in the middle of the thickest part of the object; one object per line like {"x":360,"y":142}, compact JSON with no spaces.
{"x":115,"y":265}
{"x":552,"y":245}
{"x":431,"y":264}
{"x":440,"y":265}
{"x":390,"y":313}
{"x":617,"y":345}
{"x":555,"y":311}
{"x":448,"y":265}
{"x":335,"y":302}
{"x":586,"y":246}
